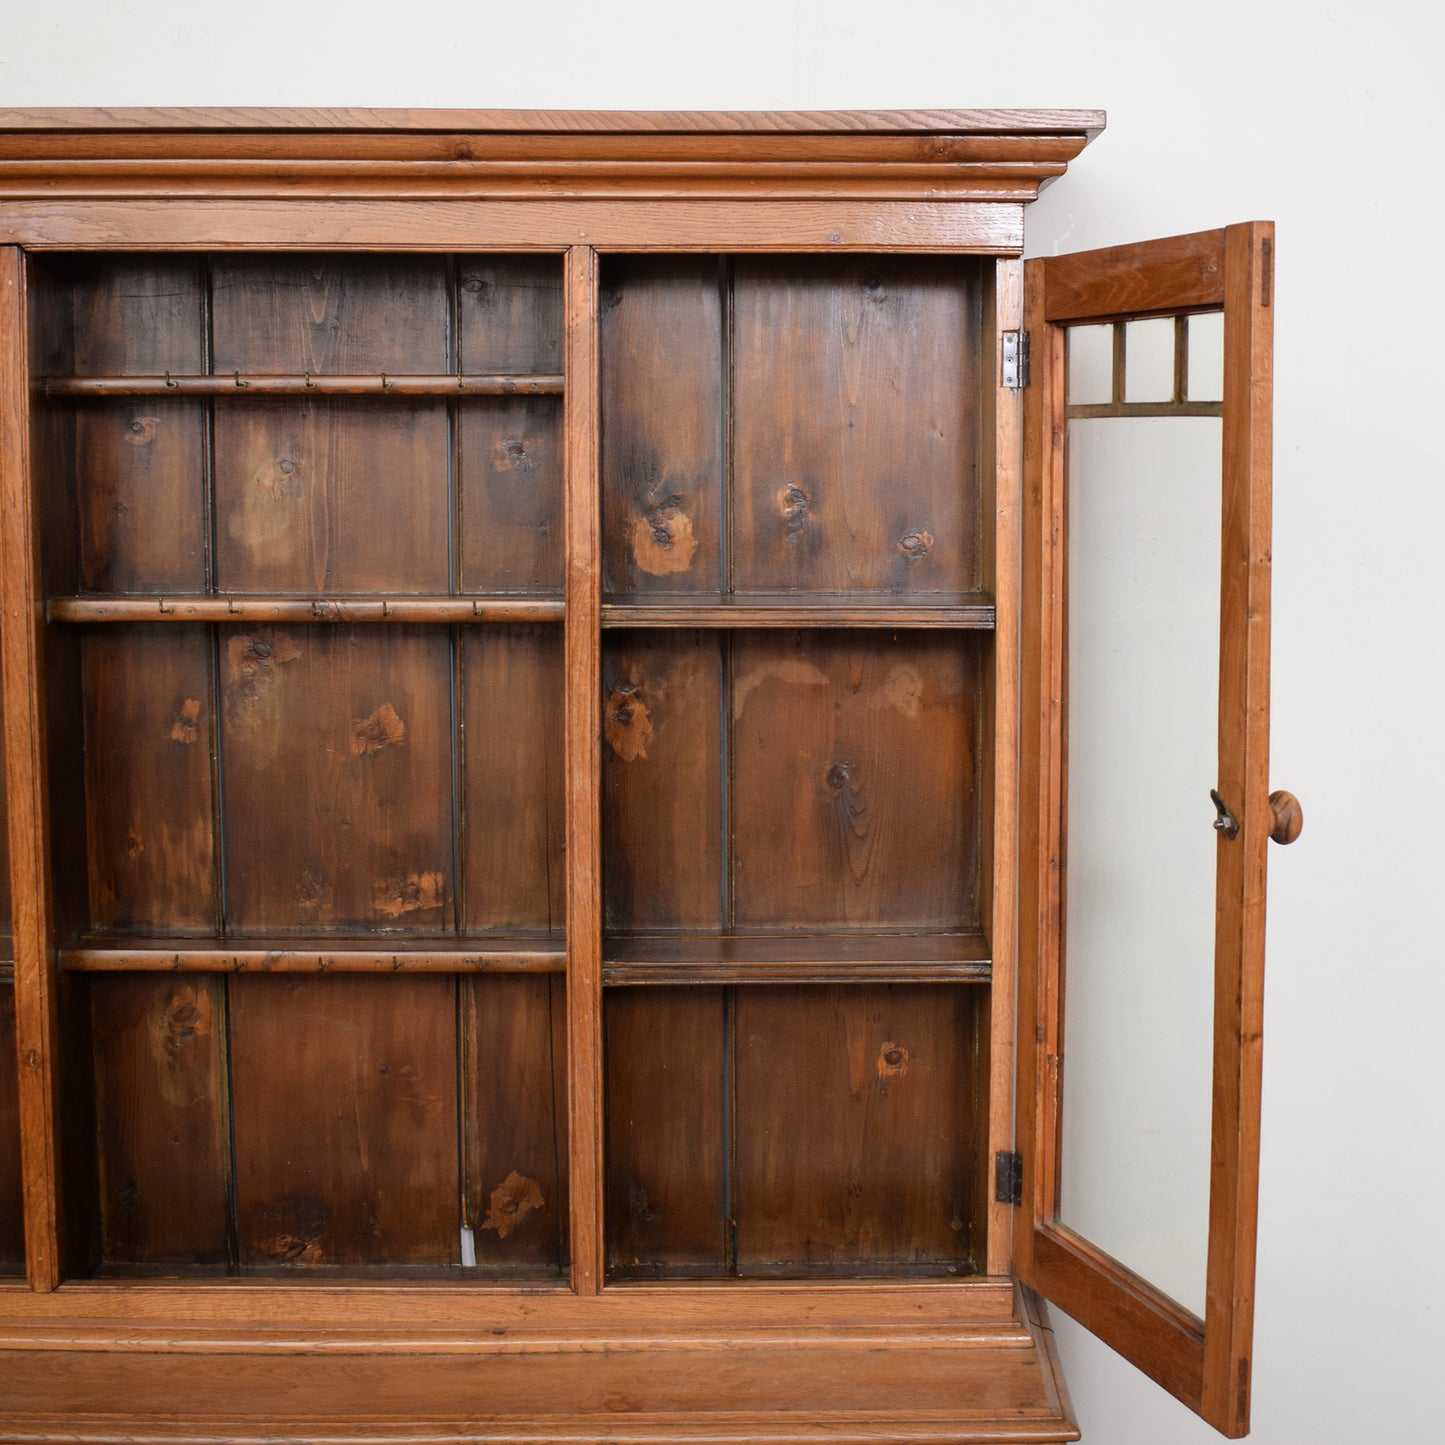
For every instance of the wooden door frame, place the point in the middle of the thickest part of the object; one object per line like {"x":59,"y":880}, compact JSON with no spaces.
{"x":1205,"y":1363}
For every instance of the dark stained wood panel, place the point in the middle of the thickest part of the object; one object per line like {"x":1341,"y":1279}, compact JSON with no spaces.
{"x":162,"y":1132}
{"x":330,"y":313}
{"x":667,"y":1131}
{"x":509,"y":310}
{"x":514,"y":1142}
{"x":663,"y":399}
{"x":148,"y":780}
{"x":140,"y":493}
{"x":509,"y":465}
{"x":513,"y":812}
{"x":854,"y":795}
{"x":855,"y":1129}
{"x":140,"y":470}
{"x":12,"y":1217}
{"x":344,"y":1095}
{"x":6,"y":944}
{"x":332,"y":496}
{"x":136,"y":314}
{"x":855,"y":446}
{"x":662,"y":786}
{"x":336,"y":766}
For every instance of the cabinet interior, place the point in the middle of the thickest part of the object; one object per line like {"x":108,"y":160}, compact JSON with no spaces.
{"x":302,"y":541}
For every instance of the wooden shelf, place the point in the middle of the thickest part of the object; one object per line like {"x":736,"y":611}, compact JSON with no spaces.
{"x":190,"y":608}
{"x":804,"y":609}
{"x":796,"y":958}
{"x":237,"y":386}
{"x":477,"y":953}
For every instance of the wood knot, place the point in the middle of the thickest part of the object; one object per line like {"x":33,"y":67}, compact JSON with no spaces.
{"x":663,"y":541}
{"x":185,"y":725}
{"x":874,"y":290}
{"x":627,"y":724}
{"x":839,"y":775}
{"x":511,"y":1202}
{"x":915,"y":545}
{"x":409,"y":893}
{"x":892,"y":1060}
{"x":793,"y":505}
{"x":141,"y":430}
{"x":473,"y":285}
{"x":381,"y":730}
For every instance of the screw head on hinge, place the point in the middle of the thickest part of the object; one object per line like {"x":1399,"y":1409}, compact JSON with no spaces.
{"x":1015,"y":361}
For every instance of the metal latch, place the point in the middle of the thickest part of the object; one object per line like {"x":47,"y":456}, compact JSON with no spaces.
{"x":1015,"y":360}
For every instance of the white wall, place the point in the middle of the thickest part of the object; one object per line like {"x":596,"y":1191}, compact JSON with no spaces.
{"x":1316,"y":118}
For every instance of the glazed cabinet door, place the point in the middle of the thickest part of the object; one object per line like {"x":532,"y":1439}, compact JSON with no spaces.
{"x":1146,"y":809}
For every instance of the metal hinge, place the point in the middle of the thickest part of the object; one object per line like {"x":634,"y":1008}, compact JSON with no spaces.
{"x":1015,"y":374}
{"x":1008,"y":1177}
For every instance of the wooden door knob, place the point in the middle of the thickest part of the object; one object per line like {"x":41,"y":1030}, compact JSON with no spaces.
{"x":1286,"y":817}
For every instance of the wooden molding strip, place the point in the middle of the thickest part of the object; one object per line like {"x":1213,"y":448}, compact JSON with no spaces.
{"x":582,"y":748}
{"x":240,"y":387}
{"x":555,"y":122}
{"x":315,"y":955}
{"x":303,"y":609}
{"x":802,"y":609}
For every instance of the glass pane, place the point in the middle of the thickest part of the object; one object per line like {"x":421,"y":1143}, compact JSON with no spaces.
{"x":1149,"y":360}
{"x":1206,"y":356}
{"x":1091,"y":364}
{"x":1143,"y":600}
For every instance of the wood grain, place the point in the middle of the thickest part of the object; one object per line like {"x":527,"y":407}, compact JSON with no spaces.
{"x":513,"y":815}
{"x":27,"y":796}
{"x":855,"y":451}
{"x":662,"y":781}
{"x":141,"y":495}
{"x":345,"y":1107}
{"x":999,"y":856}
{"x":514,"y":1140}
{"x":998,"y":1390}
{"x":568,"y":122}
{"x":509,"y":466}
{"x":805,"y":609}
{"x":1205,"y":1364}
{"x":162,"y":1127}
{"x":663,"y":398}
{"x":581,"y":741}
{"x":855,"y":1130}
{"x":336,"y":769}
{"x":149,"y":718}
{"x":1168,"y":277}
{"x":328,"y":314}
{"x":329,"y":953}
{"x":510,"y":313}
{"x":855,"y":787}
{"x":240,"y":610}
{"x":667,"y":1141}
{"x":651,"y":224}
{"x":1244,"y":643}
{"x":332,"y":496}
{"x":12,"y":1203}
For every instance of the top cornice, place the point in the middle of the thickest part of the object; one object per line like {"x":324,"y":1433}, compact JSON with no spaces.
{"x":932,"y":155}
{"x":562,"y":122}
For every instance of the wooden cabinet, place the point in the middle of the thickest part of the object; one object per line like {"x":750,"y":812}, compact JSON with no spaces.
{"x":535,"y":677}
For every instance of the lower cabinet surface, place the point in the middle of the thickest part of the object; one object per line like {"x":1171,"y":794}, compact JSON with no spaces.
{"x":977,"y":1380}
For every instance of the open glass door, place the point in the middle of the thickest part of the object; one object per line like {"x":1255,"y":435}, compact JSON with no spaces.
{"x":1145,"y":719}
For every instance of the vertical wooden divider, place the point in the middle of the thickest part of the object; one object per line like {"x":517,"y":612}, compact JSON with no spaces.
{"x":1003,"y":483}
{"x":36,"y":1030}
{"x":583,"y":762}
{"x":1243,"y":775}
